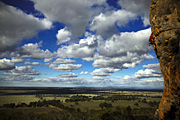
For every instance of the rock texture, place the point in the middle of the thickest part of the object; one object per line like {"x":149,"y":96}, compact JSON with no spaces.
{"x":165,"y":26}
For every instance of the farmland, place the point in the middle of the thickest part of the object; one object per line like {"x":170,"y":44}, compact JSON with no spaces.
{"x":85,"y":101}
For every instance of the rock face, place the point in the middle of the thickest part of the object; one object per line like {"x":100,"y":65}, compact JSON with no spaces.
{"x":165,"y":26}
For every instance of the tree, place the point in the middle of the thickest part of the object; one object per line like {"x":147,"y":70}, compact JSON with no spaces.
{"x":106,"y":105}
{"x":128,"y":110}
{"x":136,"y":104}
{"x":101,"y":105}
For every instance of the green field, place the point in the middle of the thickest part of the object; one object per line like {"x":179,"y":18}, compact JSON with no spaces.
{"x":85,"y":106}
{"x":4,"y":99}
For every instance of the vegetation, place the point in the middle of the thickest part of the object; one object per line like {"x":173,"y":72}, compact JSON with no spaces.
{"x":112,"y":105}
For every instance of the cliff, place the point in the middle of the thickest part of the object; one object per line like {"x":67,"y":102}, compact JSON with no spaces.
{"x":165,"y":26}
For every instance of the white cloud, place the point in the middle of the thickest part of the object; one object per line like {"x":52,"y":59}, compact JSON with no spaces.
{"x":126,"y":42}
{"x":153,"y":83}
{"x":33,"y":63}
{"x":85,"y":48}
{"x":68,"y":75}
{"x":104,"y":71}
{"x":151,"y":70}
{"x":17,"y":25}
{"x":34,"y":51}
{"x":26,"y":70}
{"x":63,"y":36}
{"x":6,"y":64}
{"x":65,"y":67}
{"x":17,"y":60}
{"x":67,"y":79}
{"x":123,"y":51}
{"x":74,"y":14}
{"x":121,"y":62}
{"x":104,"y":23}
{"x":126,"y":77}
{"x":151,"y":77}
{"x":139,"y":7}
{"x":16,"y":77}
{"x":84,"y":73}
{"x":75,"y":51}
{"x":63,"y":61}
{"x":47,"y":59}
{"x":120,"y":51}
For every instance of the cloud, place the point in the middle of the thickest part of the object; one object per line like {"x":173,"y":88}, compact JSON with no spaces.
{"x":25,"y":70}
{"x":122,"y":51}
{"x":34,"y":51}
{"x":17,"y":25}
{"x":84,"y":73}
{"x":16,"y":77}
{"x":151,"y":77}
{"x":17,"y":60}
{"x":6,"y":64}
{"x":104,"y":23}
{"x":139,"y":7}
{"x":85,"y":48}
{"x":104,"y":71}
{"x":121,"y":62}
{"x":68,"y":75}
{"x":66,"y":78}
{"x":47,"y":59}
{"x":153,"y":83}
{"x":126,"y":42}
{"x":63,"y":36}
{"x":33,"y":63}
{"x":74,"y":14}
{"x":63,"y":61}
{"x":151,"y":70}
{"x":65,"y":67}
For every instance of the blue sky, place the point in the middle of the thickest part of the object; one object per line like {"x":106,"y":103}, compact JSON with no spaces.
{"x":77,"y":43}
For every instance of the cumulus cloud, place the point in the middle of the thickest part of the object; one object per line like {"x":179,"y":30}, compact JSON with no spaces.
{"x":84,"y":73}
{"x":139,"y":7}
{"x":63,"y":61}
{"x":63,"y":36}
{"x":74,"y":14}
{"x":17,"y":60}
{"x":65,"y":67}
{"x":33,"y":63}
{"x":104,"y":23}
{"x":66,"y":78}
{"x":153,"y":83}
{"x":85,"y":48}
{"x":16,"y":77}
{"x":67,"y":75}
{"x":26,"y":70}
{"x":151,"y":70}
{"x":6,"y":64}
{"x":126,"y":42}
{"x":17,"y":25}
{"x":34,"y":51}
{"x":151,"y":77}
{"x":104,"y":71}
{"x":121,"y":62}
{"x":47,"y":59}
{"x":122,"y":51}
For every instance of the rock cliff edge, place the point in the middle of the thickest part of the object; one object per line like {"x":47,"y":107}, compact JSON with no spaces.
{"x":165,"y":26}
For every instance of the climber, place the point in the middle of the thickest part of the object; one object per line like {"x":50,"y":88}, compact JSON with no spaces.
{"x":151,"y":42}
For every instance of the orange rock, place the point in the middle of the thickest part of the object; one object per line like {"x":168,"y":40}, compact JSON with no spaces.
{"x":165,"y":24}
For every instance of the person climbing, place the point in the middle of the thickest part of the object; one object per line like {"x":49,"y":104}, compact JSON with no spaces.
{"x":151,"y":42}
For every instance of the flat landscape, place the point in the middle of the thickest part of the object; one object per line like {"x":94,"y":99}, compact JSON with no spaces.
{"x":93,"y":103}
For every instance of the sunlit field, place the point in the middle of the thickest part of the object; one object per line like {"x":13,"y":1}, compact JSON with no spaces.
{"x":92,"y":103}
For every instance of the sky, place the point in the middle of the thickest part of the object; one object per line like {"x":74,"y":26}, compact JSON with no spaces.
{"x":77,"y":43}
